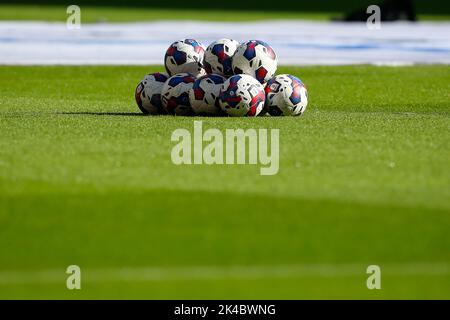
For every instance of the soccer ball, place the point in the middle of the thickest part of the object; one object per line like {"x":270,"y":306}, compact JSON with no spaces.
{"x":242,"y":95}
{"x":148,"y":93}
{"x":286,"y":95}
{"x":185,"y":56}
{"x":218,"y":57}
{"x":203,"y":95}
{"x":175,"y":94}
{"x":255,"y":58}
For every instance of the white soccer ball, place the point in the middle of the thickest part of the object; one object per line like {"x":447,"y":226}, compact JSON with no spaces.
{"x":175,"y":94}
{"x":185,"y":56}
{"x":286,"y":95}
{"x":205,"y":93}
{"x":148,"y":93}
{"x":242,"y":95}
{"x":218,"y":57}
{"x":255,"y":58}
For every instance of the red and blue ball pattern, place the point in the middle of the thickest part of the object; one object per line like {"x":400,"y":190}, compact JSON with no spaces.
{"x":250,"y":52}
{"x":297,"y":84}
{"x":184,"y":56}
{"x":178,"y":56}
{"x":231,"y":96}
{"x":176,"y":80}
{"x":224,"y":59}
{"x":147,"y":90}
{"x":258,"y":99}
{"x":285,"y":91}
{"x":175,"y":94}
{"x":228,"y":97}
{"x":262,"y":66}
{"x":176,"y":102}
{"x":137,"y":97}
{"x":160,"y":77}
{"x":197,"y":46}
{"x":199,"y":93}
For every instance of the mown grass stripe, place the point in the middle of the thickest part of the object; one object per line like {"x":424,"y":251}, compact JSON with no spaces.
{"x":130,"y":274}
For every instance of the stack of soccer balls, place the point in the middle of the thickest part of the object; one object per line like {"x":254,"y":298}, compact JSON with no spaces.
{"x":227,"y":78}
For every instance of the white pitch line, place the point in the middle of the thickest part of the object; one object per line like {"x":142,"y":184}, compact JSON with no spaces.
{"x":296,"y":42}
{"x":137,"y":274}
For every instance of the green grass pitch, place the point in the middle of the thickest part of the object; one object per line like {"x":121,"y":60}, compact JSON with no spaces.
{"x":85,"y":179}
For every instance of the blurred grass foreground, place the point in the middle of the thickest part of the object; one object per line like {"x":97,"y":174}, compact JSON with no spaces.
{"x":233,"y":10}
